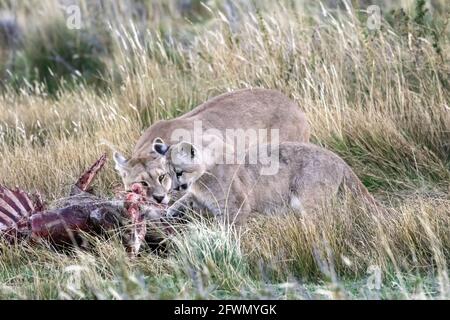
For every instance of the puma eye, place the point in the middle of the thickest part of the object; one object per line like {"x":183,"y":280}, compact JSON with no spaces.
{"x":179,"y":174}
{"x":161,"y":178}
{"x":144,"y":183}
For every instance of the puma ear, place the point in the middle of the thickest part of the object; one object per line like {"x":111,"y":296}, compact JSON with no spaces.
{"x":121,"y":163}
{"x":159,"y":146}
{"x":185,"y":154}
{"x":187,"y":150}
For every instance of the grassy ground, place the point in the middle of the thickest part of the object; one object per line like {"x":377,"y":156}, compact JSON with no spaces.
{"x":378,"y":97}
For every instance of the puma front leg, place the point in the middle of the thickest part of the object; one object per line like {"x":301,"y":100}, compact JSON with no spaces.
{"x":181,"y":206}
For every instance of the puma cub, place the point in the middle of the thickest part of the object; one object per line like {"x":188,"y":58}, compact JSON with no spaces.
{"x":307,"y":176}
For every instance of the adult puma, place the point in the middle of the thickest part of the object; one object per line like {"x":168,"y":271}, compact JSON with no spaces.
{"x":245,"y":109}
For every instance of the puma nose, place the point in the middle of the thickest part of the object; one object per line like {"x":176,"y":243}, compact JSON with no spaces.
{"x":158,"y":199}
{"x":184,"y":186}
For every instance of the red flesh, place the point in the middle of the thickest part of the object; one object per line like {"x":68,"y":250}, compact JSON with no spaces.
{"x":25,"y":217}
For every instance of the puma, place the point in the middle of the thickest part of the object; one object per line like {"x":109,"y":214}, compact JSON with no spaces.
{"x":308,"y":176}
{"x":247,"y":109}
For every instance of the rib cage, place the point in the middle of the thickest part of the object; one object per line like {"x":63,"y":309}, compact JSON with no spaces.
{"x":15,"y":207}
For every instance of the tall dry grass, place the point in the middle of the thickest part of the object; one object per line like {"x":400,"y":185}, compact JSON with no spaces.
{"x":379,"y":98}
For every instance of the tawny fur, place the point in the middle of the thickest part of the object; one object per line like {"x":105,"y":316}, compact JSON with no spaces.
{"x":242,"y":109}
{"x":309,"y":176}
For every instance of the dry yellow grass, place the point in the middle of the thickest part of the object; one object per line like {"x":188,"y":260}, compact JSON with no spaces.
{"x":380,"y":99}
